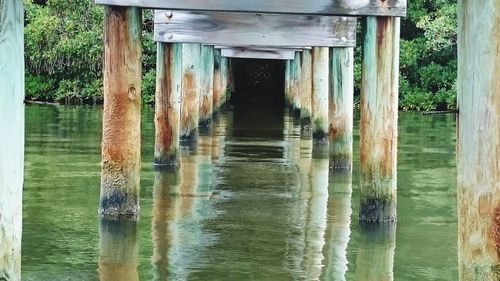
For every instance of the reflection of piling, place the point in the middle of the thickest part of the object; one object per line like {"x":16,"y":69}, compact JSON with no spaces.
{"x":341,"y":107}
{"x":119,"y":250}
{"x":164,"y":212}
{"x":379,"y":114}
{"x":167,"y":103}
{"x":375,"y":261}
{"x":316,"y":218}
{"x":338,"y":230}
{"x":320,"y":94}
{"x":121,"y":138}
{"x":306,"y":92}
{"x":190,"y":109}
{"x":478,"y":152}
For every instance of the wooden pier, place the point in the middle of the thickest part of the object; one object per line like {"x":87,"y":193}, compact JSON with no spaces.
{"x":196,"y":41}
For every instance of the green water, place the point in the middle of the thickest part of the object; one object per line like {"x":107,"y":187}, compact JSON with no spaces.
{"x":250,"y":202}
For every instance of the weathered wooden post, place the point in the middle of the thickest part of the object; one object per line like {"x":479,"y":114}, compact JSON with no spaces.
{"x":207,"y":85}
{"x":320,"y":89}
{"x":338,"y":230}
{"x":341,"y":107}
{"x":190,"y":105}
{"x":379,"y":119}
{"x":478,"y":152}
{"x":12,"y":139}
{"x":295,"y":85}
{"x":119,"y":250}
{"x":121,"y":137}
{"x":224,"y":79}
{"x":377,"y":243}
{"x":217,"y":81}
{"x":306,"y":92}
{"x":288,"y":82}
{"x":168,"y":104}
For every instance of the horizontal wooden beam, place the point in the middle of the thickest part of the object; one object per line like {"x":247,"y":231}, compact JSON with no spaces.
{"x":257,"y":54}
{"x":395,"y":8}
{"x":257,"y":48}
{"x":241,"y":29}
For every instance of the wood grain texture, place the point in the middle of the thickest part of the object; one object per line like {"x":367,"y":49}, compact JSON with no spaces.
{"x":306,"y":93}
{"x":317,"y":7}
{"x":320,"y":88}
{"x":295,"y":86}
{"x":242,"y":29}
{"x":478,"y":148}
{"x":190,"y":104}
{"x":224,"y":79}
{"x":168,"y":104}
{"x":379,"y":119}
{"x":207,"y":85}
{"x":341,"y":107}
{"x":217,"y":81}
{"x":247,"y":53}
{"x":280,"y":48}
{"x":12,"y":137}
{"x":121,"y":136}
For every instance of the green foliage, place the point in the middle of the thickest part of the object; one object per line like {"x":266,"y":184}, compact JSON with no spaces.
{"x":64,"y":53}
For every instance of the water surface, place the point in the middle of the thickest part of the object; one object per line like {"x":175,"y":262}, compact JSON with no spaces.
{"x":251,"y":201}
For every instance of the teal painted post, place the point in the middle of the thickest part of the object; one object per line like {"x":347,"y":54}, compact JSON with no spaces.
{"x":12,"y":138}
{"x":190,"y":108}
{"x":121,"y":136}
{"x":224,"y":79}
{"x":207,"y":85}
{"x":217,"y":94}
{"x":478,"y":142}
{"x":379,"y":119}
{"x":341,"y":107}
{"x":320,"y":88}
{"x":168,"y":104}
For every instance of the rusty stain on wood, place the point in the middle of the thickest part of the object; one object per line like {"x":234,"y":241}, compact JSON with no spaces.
{"x":320,"y":90}
{"x":12,"y":138}
{"x":379,"y":115}
{"x":121,"y":138}
{"x":478,"y":143}
{"x":168,"y":104}
{"x":190,"y":105}
{"x":341,"y":107}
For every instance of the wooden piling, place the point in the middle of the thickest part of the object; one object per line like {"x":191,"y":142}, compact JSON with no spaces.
{"x":295,"y":85}
{"x":217,"y":94}
{"x":168,"y":104}
{"x":478,"y":147}
{"x":190,"y":104}
{"x":306,"y":92}
{"x":119,"y":250}
{"x":12,"y":139}
{"x":224,"y":80}
{"x":288,"y":82}
{"x":320,"y":89}
{"x":379,"y":119}
{"x":341,"y":107}
{"x":121,"y":137}
{"x":207,"y":86}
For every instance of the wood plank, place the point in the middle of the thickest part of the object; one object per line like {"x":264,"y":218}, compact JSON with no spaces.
{"x":242,"y":29}
{"x":478,"y":140}
{"x":257,"y":54}
{"x":257,"y":48}
{"x":316,"y":7}
{"x":11,"y":137}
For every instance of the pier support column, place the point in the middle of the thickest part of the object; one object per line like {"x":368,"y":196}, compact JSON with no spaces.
{"x":341,"y":107}
{"x":320,"y":87}
{"x":168,"y":104}
{"x":224,"y":79}
{"x":306,"y":93}
{"x":288,"y":82}
{"x":121,"y":137}
{"x":207,"y":85}
{"x":379,"y":119}
{"x":296,"y":76}
{"x":190,"y":105}
{"x":12,"y":137}
{"x":478,"y":148}
{"x":217,"y":94}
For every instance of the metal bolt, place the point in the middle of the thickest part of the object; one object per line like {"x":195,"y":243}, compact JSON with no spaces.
{"x":343,"y":18}
{"x":170,"y":36}
{"x":169,"y":14}
{"x":343,"y":39}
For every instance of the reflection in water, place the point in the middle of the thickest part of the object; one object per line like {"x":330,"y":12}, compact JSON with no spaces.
{"x":375,"y":259}
{"x":119,"y":250}
{"x":339,"y":226}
